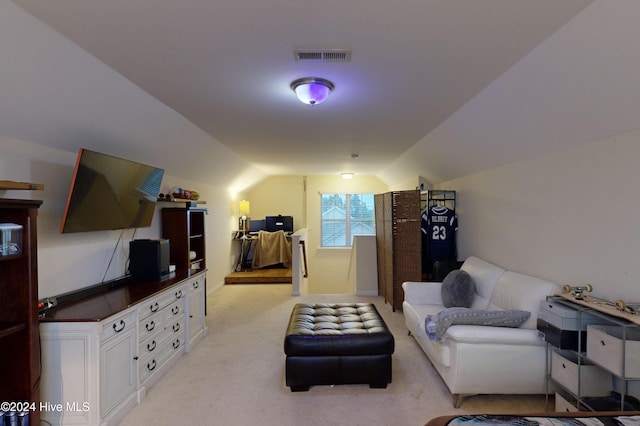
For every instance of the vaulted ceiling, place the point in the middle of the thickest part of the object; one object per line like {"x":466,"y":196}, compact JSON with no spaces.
{"x":226,"y":66}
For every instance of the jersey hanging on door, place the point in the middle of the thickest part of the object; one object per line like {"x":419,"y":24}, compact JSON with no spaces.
{"x":439,"y":226}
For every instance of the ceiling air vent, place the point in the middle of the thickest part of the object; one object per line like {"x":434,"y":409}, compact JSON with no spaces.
{"x":329,"y":55}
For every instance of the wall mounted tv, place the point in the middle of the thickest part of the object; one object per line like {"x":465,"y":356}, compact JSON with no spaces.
{"x":110,"y":193}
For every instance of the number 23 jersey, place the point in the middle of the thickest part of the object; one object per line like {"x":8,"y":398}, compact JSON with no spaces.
{"x":438,"y":226}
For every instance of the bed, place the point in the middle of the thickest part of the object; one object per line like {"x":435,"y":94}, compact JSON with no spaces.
{"x":610,"y":418}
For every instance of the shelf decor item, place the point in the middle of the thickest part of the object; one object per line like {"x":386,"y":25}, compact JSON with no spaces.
{"x":244,"y":208}
{"x":11,"y":239}
{"x":185,"y":194}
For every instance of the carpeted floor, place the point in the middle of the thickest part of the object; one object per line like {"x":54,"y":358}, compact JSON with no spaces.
{"x":235,"y":375}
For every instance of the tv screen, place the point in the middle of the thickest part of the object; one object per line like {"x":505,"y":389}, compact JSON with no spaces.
{"x":110,"y":193}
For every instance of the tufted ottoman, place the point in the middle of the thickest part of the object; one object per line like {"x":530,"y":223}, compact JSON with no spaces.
{"x":337,"y":343}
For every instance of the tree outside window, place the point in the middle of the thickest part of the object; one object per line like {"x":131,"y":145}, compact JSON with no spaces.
{"x":343,"y":216}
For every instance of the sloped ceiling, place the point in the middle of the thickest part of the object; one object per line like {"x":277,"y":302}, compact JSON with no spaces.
{"x":429,"y":85}
{"x":579,"y":86}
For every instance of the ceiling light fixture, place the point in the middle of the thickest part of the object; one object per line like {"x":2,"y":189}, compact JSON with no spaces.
{"x":312,"y":90}
{"x":346,"y":175}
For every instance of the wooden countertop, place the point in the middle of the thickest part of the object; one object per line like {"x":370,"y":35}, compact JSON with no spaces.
{"x":112,"y":298}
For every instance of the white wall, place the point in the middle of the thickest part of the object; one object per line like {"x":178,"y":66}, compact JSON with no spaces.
{"x":329,"y":267}
{"x":299,"y":196}
{"x":567,"y":217}
{"x":363,"y":271}
{"x":276,"y":195}
{"x":68,"y":262}
{"x":56,"y":98}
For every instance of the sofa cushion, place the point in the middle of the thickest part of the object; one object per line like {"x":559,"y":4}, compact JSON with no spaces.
{"x":485,"y":276}
{"x":436,"y":325}
{"x":458,"y":289}
{"x":523,"y":292}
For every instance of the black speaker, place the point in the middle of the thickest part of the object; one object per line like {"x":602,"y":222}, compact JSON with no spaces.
{"x":148,"y":259}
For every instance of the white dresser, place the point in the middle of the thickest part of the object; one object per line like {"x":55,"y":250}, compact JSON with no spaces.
{"x":102,"y":352}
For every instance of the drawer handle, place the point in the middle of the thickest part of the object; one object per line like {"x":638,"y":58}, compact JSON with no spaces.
{"x":178,"y":294}
{"x":118,"y":330}
{"x":196,"y":284}
{"x":150,"y":326}
{"x":176,"y":344}
{"x":175,"y":310}
{"x":176,"y":327}
{"x":563,"y":365}
{"x":150,"y":347}
{"x":154,"y":307}
{"x":603,"y":343}
{"x":151,"y":365}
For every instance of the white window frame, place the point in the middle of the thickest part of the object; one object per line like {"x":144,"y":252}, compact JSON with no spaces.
{"x":348,"y":220}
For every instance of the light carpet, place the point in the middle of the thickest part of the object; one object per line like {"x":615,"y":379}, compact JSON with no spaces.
{"x":235,"y":375}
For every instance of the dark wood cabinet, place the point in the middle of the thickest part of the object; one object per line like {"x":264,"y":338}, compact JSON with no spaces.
{"x":186,"y":231}
{"x":398,"y":243}
{"x":19,"y":327}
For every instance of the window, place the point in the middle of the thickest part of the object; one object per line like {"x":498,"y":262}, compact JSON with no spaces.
{"x":343,"y":216}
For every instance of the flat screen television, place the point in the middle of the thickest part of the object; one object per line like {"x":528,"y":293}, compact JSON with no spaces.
{"x":110,"y":193}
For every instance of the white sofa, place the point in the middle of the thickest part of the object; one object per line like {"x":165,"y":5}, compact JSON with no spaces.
{"x":473,"y":359}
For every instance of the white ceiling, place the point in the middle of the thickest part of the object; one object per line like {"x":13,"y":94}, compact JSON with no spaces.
{"x":226,"y":65}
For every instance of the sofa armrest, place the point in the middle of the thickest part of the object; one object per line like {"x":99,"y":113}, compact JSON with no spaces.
{"x":493,"y":335}
{"x":422,"y":293}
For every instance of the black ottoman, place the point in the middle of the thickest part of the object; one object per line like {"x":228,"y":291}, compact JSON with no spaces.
{"x":337,"y":343}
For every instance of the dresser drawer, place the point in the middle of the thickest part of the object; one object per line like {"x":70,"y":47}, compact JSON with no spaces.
{"x":152,"y":345}
{"x":176,"y":325}
{"x":170,"y":330}
{"x":151,"y":325}
{"x":118,"y":324}
{"x":156,"y":361}
{"x":607,"y":347}
{"x":152,"y":306}
{"x":592,"y":380}
{"x":155,"y":304}
{"x":174,"y":310}
{"x":562,"y":405}
{"x":196,"y":283}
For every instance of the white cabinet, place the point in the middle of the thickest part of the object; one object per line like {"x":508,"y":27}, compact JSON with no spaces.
{"x":196,"y":327}
{"x":118,"y":364}
{"x":95,"y":372}
{"x":588,"y":375}
{"x":89,"y":370}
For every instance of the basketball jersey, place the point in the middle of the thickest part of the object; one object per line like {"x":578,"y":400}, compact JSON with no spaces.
{"x":438,"y":227}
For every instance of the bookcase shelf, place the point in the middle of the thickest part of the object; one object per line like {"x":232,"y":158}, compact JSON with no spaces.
{"x":19,"y":324}
{"x":7,"y":328}
{"x":9,"y":184}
